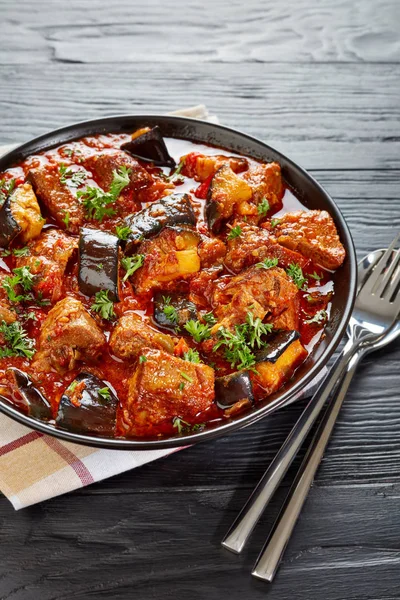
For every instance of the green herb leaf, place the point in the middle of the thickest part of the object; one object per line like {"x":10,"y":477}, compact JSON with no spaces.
{"x":104,"y":393}
{"x":256,"y":328}
{"x":209,"y":318}
{"x":179,"y":423}
{"x":197,"y":330}
{"x":235,"y":232}
{"x":268,"y":263}
{"x":142,"y":359}
{"x":123,"y":232}
{"x":263,"y":207}
{"x":320,"y":317}
{"x":131,"y":264}
{"x":17,"y":342}
{"x":96,"y":201}
{"x":274,"y":222}
{"x":65,"y":220}
{"x":176,"y":176}
{"x":187,"y":377}
{"x":21,"y":251}
{"x":171,"y":313}
{"x":295,"y":272}
{"x":103,"y":305}
{"x":316,"y":276}
{"x":192,"y":356}
{"x":70,"y":177}
{"x":120,"y":181}
{"x":6,"y":187}
{"x":23,"y":277}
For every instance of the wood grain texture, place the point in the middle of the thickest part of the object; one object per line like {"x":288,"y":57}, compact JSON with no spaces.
{"x":192,"y":32}
{"x":303,"y":76}
{"x":333,"y":116}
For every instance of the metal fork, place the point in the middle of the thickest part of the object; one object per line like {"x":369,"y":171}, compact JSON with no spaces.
{"x":376,"y":308}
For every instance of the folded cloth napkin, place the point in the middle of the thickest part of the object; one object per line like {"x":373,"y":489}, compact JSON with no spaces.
{"x":35,"y":467}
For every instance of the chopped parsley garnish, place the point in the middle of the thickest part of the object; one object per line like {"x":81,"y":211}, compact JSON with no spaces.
{"x":70,"y":151}
{"x":103,"y":305}
{"x":263,"y":207}
{"x":185,"y":427}
{"x":65,"y":220}
{"x":17,"y":342}
{"x":5,"y":253}
{"x":274,"y":222}
{"x":131,"y":264}
{"x":238,"y":344}
{"x":197,"y":330}
{"x":6,"y":187}
{"x":320,"y":317}
{"x":209,"y":318}
{"x":268,"y":263}
{"x":176,"y":176}
{"x":97,"y":202}
{"x":72,"y":386}
{"x":316,"y":276}
{"x":72,"y":178}
{"x":122,"y":232}
{"x":104,"y":393}
{"x":170,"y":311}
{"x":23,"y":277}
{"x":187,"y":377}
{"x":142,"y":359}
{"x":192,"y":356}
{"x":235,"y":232}
{"x":21,"y":251}
{"x":295,"y":272}
{"x":100,"y":267}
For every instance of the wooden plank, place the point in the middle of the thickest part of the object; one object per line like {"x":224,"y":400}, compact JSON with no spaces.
{"x":190,"y":32}
{"x":112,"y":547}
{"x":334,"y":116}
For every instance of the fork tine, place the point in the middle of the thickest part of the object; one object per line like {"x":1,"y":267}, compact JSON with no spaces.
{"x":380,"y":265}
{"x":387,"y":285}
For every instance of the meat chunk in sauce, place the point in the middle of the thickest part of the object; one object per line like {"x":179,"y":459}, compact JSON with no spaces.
{"x":200,"y":167}
{"x":259,"y":291}
{"x":255,"y":245}
{"x":26,"y":211}
{"x":47,"y":260}
{"x":59,"y":199}
{"x":266,"y":182}
{"x":103,"y":166}
{"x":163,"y":387}
{"x":131,"y":335}
{"x":68,"y":334}
{"x":169,"y":256}
{"x":312,"y":233}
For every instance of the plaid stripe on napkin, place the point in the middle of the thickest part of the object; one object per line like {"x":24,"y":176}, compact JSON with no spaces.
{"x":35,"y":466}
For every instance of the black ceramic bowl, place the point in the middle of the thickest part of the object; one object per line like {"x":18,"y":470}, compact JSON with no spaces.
{"x":309,"y":192}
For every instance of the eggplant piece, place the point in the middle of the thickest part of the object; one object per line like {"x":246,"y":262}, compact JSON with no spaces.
{"x":277,"y":346}
{"x":98,"y":262}
{"x":9,"y":226}
{"x":184,"y":310}
{"x":226,"y":191}
{"x":175,"y":209}
{"x":38,"y":406}
{"x":233,"y":388}
{"x":83,"y":409}
{"x":150,"y":147}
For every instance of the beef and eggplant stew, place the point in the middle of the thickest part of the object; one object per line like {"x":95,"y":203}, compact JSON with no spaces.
{"x":150,"y":286}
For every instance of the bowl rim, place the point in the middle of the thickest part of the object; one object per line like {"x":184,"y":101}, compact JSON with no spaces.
{"x":109,"y":126}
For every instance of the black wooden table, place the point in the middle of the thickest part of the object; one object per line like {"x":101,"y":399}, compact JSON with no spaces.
{"x":321,"y":82}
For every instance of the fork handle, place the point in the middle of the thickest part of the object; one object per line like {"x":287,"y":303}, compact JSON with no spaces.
{"x":270,"y":556}
{"x":243,"y":526}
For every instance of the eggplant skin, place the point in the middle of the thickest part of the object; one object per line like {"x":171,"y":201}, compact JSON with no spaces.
{"x":185,"y":310}
{"x":9,"y":227}
{"x":98,"y":262}
{"x":87,"y":412}
{"x":277,"y":346}
{"x":38,"y":406}
{"x":150,"y":147}
{"x":175,"y":209}
{"x":233,"y":388}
